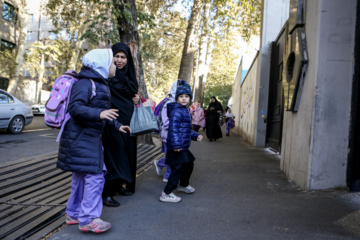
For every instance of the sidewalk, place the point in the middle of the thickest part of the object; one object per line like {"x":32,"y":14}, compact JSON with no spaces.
{"x":240,"y":194}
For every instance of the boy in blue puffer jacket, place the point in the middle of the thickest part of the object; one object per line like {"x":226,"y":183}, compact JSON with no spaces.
{"x":178,"y":156}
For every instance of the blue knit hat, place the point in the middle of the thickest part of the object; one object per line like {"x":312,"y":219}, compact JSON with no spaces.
{"x":183,"y":88}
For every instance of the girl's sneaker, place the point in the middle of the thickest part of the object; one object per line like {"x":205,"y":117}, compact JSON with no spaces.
{"x":165,"y":180}
{"x":188,"y":189}
{"x":96,"y":225}
{"x":169,"y":198}
{"x":157,"y":168}
{"x":71,"y":221}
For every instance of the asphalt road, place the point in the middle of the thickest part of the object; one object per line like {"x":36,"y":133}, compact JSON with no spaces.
{"x":36,"y":139}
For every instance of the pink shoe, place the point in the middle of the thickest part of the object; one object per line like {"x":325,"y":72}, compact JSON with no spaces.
{"x":71,"y":221}
{"x":96,"y":225}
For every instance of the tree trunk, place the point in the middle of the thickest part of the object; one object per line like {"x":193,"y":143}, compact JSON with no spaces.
{"x":23,"y":20}
{"x":206,"y":70}
{"x":129,"y":34}
{"x":204,"y":40}
{"x":187,"y":59}
{"x":83,"y":27}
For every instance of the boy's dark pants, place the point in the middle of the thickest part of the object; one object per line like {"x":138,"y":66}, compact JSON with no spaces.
{"x":179,"y":172}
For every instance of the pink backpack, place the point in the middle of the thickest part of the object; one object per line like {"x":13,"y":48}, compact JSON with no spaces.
{"x":56,"y":108}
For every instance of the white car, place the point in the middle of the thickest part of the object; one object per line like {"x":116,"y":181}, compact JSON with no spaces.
{"x":38,"y":109}
{"x":14,"y":115}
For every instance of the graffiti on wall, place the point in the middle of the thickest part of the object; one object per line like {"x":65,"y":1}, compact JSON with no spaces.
{"x":247,"y":110}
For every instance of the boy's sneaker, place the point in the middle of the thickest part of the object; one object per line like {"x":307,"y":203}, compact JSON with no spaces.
{"x":165,"y":180}
{"x":188,"y":189}
{"x":71,"y":221}
{"x":157,"y":168}
{"x":96,"y":225}
{"x":169,"y":198}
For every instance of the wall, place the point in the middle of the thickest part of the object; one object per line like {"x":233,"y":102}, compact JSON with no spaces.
{"x":315,"y":139}
{"x":274,"y":15}
{"x":235,"y":97}
{"x":247,"y":104}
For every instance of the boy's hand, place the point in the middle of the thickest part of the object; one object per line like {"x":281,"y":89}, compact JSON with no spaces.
{"x":177,"y":150}
{"x":124,"y":129}
{"x":109,"y":114}
{"x":200,"y":137}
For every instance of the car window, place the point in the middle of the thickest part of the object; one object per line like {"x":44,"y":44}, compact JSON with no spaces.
{"x":4,"y":98}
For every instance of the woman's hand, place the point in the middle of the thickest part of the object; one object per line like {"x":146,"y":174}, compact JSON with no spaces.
{"x":211,"y":109}
{"x":109,"y":114}
{"x":177,"y":150}
{"x":136,"y":99}
{"x":124,"y":129}
{"x":199,"y":138}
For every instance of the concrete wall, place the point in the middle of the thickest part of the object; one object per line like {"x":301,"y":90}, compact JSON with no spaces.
{"x":247,"y":104}
{"x":315,"y":139}
{"x":235,"y":97}
{"x":274,"y":15}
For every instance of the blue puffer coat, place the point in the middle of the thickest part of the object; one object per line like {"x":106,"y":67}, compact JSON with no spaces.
{"x":80,"y":147}
{"x":180,"y":133}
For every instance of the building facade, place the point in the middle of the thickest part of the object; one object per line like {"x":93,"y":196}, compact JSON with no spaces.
{"x":307,"y":91}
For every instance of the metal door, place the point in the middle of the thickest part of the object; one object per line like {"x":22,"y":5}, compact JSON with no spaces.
{"x":276,"y":99}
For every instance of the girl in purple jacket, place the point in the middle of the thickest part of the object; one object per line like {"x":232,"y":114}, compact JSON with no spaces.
{"x":178,"y":156}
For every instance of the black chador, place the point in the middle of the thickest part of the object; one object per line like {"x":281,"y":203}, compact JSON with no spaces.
{"x":213,"y":130}
{"x":120,"y":148}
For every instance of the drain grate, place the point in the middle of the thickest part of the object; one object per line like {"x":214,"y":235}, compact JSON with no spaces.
{"x":34,"y":193}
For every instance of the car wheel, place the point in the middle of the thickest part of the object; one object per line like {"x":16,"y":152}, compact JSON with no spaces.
{"x":16,"y":125}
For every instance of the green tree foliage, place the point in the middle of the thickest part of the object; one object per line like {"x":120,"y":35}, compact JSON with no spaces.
{"x":7,"y":63}
{"x":225,"y":58}
{"x":161,"y":45}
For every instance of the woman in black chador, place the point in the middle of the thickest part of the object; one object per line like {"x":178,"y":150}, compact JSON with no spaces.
{"x":213,"y":130}
{"x":120,"y":148}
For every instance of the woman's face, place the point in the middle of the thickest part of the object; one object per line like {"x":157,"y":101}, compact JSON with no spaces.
{"x":212,"y":100}
{"x":112,"y":70}
{"x":120,"y":59}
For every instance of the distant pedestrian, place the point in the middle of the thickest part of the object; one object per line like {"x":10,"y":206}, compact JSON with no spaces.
{"x":164,"y":128}
{"x":197,"y":117}
{"x":213,"y":130}
{"x":229,"y":118}
{"x":178,"y":156}
{"x":80,"y":150}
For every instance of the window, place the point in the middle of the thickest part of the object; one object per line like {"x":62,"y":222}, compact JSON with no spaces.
{"x":9,"y":12}
{"x":6,"y":46}
{"x":31,"y":20}
{"x":29,"y":36}
{"x":4,"y":98}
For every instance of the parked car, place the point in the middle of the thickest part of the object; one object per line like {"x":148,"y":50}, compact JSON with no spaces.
{"x":38,"y":109}
{"x":14,"y":115}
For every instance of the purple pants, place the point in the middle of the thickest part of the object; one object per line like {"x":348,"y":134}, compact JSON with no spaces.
{"x":161,"y":163}
{"x":85,"y":200}
{"x":228,"y":126}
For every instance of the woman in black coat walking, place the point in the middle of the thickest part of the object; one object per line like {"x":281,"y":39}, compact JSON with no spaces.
{"x":120,"y":149}
{"x":213,"y":130}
